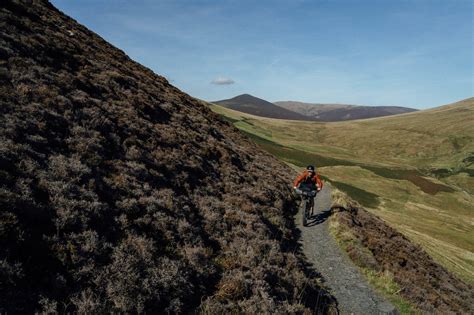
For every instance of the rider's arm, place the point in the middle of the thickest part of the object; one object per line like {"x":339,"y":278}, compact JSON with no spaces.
{"x":319,"y":182}
{"x":298,"y":180}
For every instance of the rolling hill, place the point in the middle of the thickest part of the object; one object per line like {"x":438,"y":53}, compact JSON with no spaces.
{"x":290,"y":110}
{"x":253,"y":105}
{"x":121,"y":194}
{"x":414,"y":170}
{"x":341,"y":112}
{"x":438,"y":138}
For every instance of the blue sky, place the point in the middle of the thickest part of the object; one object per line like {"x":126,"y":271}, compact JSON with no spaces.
{"x":416,"y":53}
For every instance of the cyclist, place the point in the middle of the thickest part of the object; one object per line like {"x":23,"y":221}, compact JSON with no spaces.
{"x":308,"y":180}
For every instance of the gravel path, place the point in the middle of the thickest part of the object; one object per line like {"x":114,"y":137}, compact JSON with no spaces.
{"x":346,"y":283}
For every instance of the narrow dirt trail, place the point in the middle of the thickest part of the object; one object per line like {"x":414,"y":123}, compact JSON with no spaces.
{"x":350,"y":288}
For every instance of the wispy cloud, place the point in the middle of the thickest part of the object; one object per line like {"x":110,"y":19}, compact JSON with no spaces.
{"x":222,"y":81}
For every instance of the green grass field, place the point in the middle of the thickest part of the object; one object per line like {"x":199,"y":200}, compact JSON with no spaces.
{"x":414,"y":170}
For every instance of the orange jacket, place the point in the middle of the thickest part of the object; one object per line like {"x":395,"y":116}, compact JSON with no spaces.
{"x":307,"y":178}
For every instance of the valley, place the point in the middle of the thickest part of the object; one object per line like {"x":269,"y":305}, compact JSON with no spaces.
{"x":413,"y":170}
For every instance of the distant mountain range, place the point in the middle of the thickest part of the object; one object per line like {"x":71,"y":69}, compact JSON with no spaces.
{"x":339,"y":112}
{"x":249,"y":104}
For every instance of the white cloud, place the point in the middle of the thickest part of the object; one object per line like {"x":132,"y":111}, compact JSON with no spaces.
{"x":222,"y":81}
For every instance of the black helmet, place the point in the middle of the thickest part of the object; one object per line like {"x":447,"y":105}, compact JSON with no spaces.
{"x":310,"y":168}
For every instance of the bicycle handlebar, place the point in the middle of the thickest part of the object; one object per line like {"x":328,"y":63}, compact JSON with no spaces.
{"x":311,"y":193}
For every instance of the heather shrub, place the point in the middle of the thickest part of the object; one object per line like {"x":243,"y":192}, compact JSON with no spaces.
{"x":395,"y":264}
{"x":119,"y":193}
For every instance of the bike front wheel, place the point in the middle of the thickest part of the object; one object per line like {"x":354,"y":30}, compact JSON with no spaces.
{"x":304,"y":210}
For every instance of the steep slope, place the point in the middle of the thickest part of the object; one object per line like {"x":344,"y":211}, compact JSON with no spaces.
{"x":381,"y":251}
{"x":120,"y":193}
{"x":341,"y":112}
{"x":252,"y":105}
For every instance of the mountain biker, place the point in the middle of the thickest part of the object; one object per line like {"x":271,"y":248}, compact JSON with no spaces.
{"x":308,"y":180}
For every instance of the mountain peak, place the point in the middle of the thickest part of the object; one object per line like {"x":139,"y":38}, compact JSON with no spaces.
{"x":245,"y":95}
{"x":250,"y":104}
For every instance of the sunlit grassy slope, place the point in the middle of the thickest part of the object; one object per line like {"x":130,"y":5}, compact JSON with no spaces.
{"x":414,"y":170}
{"x":438,"y":138}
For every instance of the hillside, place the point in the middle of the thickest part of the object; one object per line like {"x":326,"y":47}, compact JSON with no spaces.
{"x":394,"y":265}
{"x":341,"y":112}
{"x":249,"y":104}
{"x":435,"y":138}
{"x":414,"y":170}
{"x":119,"y":193}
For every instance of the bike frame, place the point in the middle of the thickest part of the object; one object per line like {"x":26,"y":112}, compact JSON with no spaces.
{"x":306,"y":196}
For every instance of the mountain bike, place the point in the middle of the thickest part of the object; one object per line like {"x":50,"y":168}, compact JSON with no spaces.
{"x":307,"y":202}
